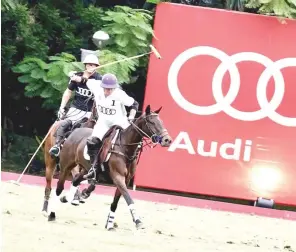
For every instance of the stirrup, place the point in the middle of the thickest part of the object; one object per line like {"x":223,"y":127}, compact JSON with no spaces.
{"x":53,"y":149}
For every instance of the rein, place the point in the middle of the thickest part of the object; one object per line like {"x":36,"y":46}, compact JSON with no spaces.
{"x":154,"y":140}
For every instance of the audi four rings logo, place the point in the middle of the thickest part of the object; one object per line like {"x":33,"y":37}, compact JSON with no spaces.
{"x":223,"y":103}
{"x":84,"y":92}
{"x":106,"y":111}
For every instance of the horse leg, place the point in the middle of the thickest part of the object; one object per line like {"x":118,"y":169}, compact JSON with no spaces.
{"x":111,"y":224}
{"x":80,"y":197}
{"x":87,"y":191}
{"x":49,"y":170}
{"x":54,"y":201}
{"x":119,"y":181}
{"x":77,"y":197}
{"x":74,"y":187}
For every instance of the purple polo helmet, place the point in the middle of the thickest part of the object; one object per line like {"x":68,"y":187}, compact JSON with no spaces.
{"x":109,"y":81}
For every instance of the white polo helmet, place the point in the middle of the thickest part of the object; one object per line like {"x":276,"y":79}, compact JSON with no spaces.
{"x":91,"y":59}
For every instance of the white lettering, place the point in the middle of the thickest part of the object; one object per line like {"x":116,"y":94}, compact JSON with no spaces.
{"x":201,"y":149}
{"x":229,"y":151}
{"x":187,"y":145}
{"x":236,"y":147}
{"x":248,"y":150}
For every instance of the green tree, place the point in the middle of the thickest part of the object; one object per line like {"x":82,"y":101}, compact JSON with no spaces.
{"x":283,"y":8}
{"x":130,"y":31}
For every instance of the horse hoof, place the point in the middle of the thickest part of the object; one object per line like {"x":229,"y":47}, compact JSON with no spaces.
{"x":84,"y":194}
{"x":45,"y":206}
{"x":81,"y":199}
{"x":63,"y":199}
{"x":52,"y":217}
{"x":75,"y":202}
{"x":115,"y":225}
{"x":111,"y":229}
{"x":139,"y":224}
{"x":44,"y":213}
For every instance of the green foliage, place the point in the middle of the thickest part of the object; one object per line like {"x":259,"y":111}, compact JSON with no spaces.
{"x":47,"y":80}
{"x":130,"y":31}
{"x":59,"y":29}
{"x":9,"y":4}
{"x":122,"y":70}
{"x":21,"y":151}
{"x":238,"y":5}
{"x":21,"y":36}
{"x":284,"y":8}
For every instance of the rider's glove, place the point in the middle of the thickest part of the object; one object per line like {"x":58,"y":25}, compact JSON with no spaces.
{"x":61,"y":113}
{"x":76,"y":78}
{"x":132,"y":114}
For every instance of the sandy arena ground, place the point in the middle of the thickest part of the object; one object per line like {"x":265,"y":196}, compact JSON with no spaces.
{"x":168,"y":227}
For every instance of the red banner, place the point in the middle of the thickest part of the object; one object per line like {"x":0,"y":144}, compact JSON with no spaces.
{"x":227,"y":84}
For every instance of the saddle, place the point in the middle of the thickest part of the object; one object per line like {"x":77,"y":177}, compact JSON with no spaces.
{"x":79,"y":123}
{"x":107,"y":142}
{"x":76,"y":125}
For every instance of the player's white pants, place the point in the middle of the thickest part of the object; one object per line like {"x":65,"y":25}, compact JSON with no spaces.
{"x":75,"y":114}
{"x":102,"y":126}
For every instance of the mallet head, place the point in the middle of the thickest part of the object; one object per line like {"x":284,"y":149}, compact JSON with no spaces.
{"x":156,"y":53}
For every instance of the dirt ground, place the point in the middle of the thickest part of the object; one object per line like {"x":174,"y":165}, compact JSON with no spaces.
{"x":168,"y":227}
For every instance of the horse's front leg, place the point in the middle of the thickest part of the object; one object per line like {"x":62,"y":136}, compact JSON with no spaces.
{"x":119,"y":181}
{"x":78,"y":195}
{"x":110,"y":224}
{"x":74,"y":187}
{"x":87,"y":191}
{"x":54,"y":201}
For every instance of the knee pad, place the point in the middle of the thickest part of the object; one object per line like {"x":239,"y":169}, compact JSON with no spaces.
{"x":66,"y":124}
{"x":63,"y":127}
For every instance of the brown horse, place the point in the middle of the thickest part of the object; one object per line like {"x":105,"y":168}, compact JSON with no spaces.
{"x":123,"y":147}
{"x":52,"y":163}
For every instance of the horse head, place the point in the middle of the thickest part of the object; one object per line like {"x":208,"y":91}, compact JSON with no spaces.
{"x":152,"y":126}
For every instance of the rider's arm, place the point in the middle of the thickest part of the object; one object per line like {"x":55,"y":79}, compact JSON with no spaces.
{"x":68,"y":93}
{"x":128,"y":101}
{"x":66,"y":97}
{"x":93,"y":85}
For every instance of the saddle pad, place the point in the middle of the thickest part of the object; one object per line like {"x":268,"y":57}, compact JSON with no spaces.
{"x":105,"y":154}
{"x":85,"y":155}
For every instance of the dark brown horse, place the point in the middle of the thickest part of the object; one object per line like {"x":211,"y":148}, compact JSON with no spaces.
{"x":122,"y":162}
{"x":52,"y":163}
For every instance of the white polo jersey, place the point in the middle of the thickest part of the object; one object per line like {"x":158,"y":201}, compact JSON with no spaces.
{"x":110,"y":108}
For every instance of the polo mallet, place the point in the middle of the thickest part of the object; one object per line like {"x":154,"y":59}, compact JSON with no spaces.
{"x":101,"y":37}
{"x":16,"y":182}
{"x":153,"y":50}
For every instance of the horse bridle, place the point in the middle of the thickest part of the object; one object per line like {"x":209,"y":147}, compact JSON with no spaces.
{"x":155,"y":138}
